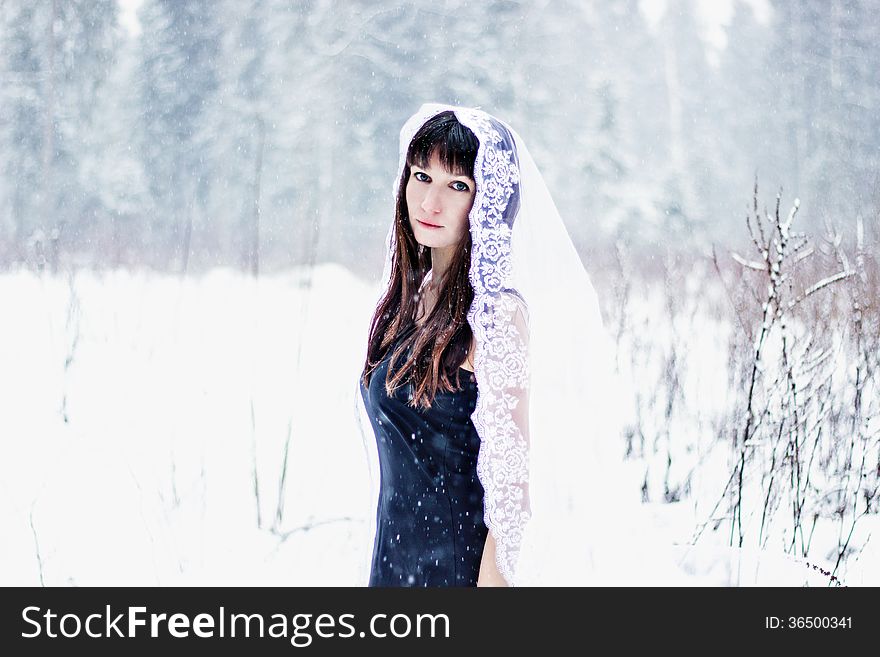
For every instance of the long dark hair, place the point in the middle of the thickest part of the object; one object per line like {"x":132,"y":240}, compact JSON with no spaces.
{"x":442,"y":343}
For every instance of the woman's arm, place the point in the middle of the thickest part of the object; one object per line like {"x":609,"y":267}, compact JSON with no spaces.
{"x":489,"y":574}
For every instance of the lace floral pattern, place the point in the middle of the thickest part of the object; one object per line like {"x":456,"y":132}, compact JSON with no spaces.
{"x":499,"y":321}
{"x":498,"y":318}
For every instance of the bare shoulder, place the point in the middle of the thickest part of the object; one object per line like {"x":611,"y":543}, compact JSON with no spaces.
{"x":511,"y":308}
{"x":469,"y":361}
{"x":512,"y":311}
{"x":517,"y":310}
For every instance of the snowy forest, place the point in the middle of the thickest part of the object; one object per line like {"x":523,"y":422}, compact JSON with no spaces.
{"x":193,"y":202}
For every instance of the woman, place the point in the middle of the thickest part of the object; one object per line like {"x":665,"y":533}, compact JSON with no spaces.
{"x":430,"y":529}
{"x":448,"y":372}
{"x":489,"y":386}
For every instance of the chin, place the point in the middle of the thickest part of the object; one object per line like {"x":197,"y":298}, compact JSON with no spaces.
{"x":432,"y":244}
{"x":425,"y":240}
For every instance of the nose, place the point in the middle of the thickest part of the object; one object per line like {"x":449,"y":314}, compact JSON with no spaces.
{"x":431,"y":201}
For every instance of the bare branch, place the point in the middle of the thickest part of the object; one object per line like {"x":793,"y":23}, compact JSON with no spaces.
{"x":825,"y":282}
{"x":751,"y":264}
{"x":37,"y":548}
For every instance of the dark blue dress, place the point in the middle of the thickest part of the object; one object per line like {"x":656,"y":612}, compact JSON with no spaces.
{"x":429,"y":521}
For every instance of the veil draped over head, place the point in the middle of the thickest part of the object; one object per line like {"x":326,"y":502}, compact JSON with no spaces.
{"x":551,"y":454}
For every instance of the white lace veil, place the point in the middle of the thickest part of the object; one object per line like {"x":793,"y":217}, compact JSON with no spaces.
{"x":547,"y":412}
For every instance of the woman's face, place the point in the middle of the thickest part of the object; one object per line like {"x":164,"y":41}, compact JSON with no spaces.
{"x":436,"y":196}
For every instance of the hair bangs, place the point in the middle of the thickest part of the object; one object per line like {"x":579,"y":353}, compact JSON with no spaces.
{"x":453,"y":143}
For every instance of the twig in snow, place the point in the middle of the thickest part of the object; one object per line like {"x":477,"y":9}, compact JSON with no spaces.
{"x":36,"y":548}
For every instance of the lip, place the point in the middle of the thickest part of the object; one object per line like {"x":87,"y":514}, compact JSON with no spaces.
{"x":427,"y":225}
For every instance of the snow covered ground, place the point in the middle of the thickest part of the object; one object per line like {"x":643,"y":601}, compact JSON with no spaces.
{"x":157,"y":430}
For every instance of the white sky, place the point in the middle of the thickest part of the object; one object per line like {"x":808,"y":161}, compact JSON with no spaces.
{"x":128,"y":15}
{"x":713,"y":14}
